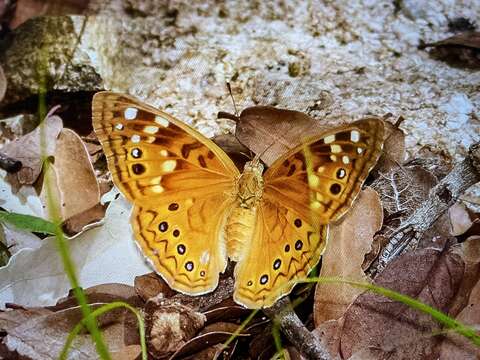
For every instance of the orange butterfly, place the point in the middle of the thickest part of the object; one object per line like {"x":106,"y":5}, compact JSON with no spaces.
{"x":193,"y":209}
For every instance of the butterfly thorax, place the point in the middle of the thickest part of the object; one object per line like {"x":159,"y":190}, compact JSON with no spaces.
{"x":241,"y":221}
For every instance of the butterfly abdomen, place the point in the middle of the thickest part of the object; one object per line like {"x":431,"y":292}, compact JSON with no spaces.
{"x":239,"y":230}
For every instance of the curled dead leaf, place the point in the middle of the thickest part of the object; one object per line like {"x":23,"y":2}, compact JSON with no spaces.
{"x":460,"y":220}
{"x":431,"y":275}
{"x":272,"y":132}
{"x":458,"y":50}
{"x":27,"y":149}
{"x":150,"y":285}
{"x":394,"y":150}
{"x":76,"y":184}
{"x":350,"y":240}
{"x":169,"y":325}
{"x":3,"y":83}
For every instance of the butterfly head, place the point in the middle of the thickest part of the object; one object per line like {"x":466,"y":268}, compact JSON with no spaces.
{"x":250,"y":184}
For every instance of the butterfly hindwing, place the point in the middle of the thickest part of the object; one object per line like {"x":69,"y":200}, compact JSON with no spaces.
{"x":179,"y":182}
{"x":279,"y":253}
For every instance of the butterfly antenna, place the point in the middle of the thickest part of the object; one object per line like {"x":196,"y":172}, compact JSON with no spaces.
{"x":226,"y":115}
{"x":233,"y":99}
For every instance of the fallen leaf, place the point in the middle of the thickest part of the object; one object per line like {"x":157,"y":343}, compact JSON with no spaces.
{"x":328,"y":333}
{"x":27,"y":149}
{"x":459,"y":219}
{"x":27,"y":9}
{"x":272,"y":132}
{"x":349,"y":241}
{"x":103,"y":293}
{"x":456,"y":346}
{"x":105,"y":254}
{"x":24,"y":201}
{"x":403,"y":189}
{"x":76,"y":185}
{"x":79,"y":222}
{"x":17,"y":240}
{"x":394,"y":150}
{"x":3,"y":83}
{"x":169,"y":325}
{"x":234,"y":148}
{"x":458,"y":50}
{"x":41,"y":336}
{"x":150,"y":285}
{"x":430,"y":275}
{"x":469,"y":251}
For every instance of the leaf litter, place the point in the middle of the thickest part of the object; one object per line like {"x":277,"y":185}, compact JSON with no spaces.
{"x":350,"y":323}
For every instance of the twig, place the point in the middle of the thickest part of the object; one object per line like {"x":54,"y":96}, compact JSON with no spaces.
{"x":8,"y":164}
{"x":293,"y":328}
{"x":440,"y":198}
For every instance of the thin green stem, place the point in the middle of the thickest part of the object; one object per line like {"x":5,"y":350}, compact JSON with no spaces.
{"x":101,"y":310}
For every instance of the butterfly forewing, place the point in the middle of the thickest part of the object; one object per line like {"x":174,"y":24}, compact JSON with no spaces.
{"x":180,"y":183}
{"x":151,"y":154}
{"x":321,"y":178}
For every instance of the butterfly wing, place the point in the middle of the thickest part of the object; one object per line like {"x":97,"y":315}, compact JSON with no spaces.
{"x":179,"y":182}
{"x":306,"y":189}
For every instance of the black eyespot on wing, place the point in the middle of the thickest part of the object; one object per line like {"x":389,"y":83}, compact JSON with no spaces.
{"x":298,"y":245}
{"x":176,"y":233}
{"x":136,"y":153}
{"x":138,"y":169}
{"x":298,"y":223}
{"x":287,"y":248}
{"x":276,"y":264}
{"x":189,"y":266}
{"x":264,"y":279}
{"x":181,"y":249}
{"x":173,"y":206}
{"x":335,"y":188}
{"x":163,"y":226}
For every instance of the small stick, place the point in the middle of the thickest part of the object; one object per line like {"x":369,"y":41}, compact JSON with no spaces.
{"x":9,"y":165}
{"x":293,"y":328}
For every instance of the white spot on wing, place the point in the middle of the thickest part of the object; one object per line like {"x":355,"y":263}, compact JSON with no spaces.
{"x":130,"y":113}
{"x":335,"y":148}
{"x":359,"y":150}
{"x":328,"y":139}
{"x":345,"y":159}
{"x":205,"y":257}
{"x":119,"y":126}
{"x":169,"y":165}
{"x":163,"y":152}
{"x":135,"y":138}
{"x":150,"y":129}
{"x":161,"y":121}
{"x":354,"y":136}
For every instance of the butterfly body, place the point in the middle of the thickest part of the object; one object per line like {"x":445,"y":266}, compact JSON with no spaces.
{"x":193,"y":209}
{"x":239,"y":230}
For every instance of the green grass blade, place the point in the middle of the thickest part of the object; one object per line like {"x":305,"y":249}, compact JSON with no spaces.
{"x":28,"y":222}
{"x":101,"y":310}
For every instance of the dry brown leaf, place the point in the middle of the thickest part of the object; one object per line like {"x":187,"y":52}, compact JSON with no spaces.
{"x":43,"y":336}
{"x":27,"y":9}
{"x":169,"y":325}
{"x":394,"y":150}
{"x":76,"y":178}
{"x":458,"y":347}
{"x":262,"y":127}
{"x":458,"y":50}
{"x":3,"y":83}
{"x":150,"y":285}
{"x":469,"y":251}
{"x":459,"y":219}
{"x":328,"y":334}
{"x":235,"y":150}
{"x":27,"y":149}
{"x":350,"y":239}
{"x":431,"y":275}
{"x":77,"y":223}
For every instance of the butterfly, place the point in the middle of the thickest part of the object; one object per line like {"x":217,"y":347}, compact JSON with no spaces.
{"x":193,"y":209}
